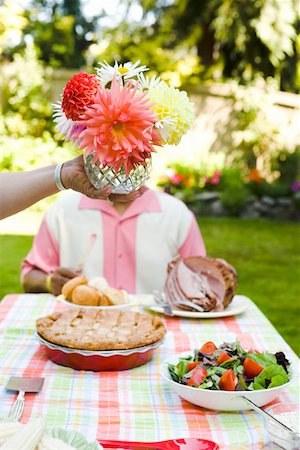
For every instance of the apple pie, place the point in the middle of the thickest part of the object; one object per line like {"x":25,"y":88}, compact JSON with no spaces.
{"x":101,"y":329}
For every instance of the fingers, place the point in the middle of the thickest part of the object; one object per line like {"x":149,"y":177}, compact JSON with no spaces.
{"x":125,"y":198}
{"x":74,"y":177}
{"x":59,"y":277}
{"x":66,"y":272}
{"x":101,"y":194}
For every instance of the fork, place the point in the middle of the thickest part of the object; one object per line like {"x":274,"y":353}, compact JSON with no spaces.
{"x":17,"y":408}
{"x":161,"y":299}
{"x":191,"y":304}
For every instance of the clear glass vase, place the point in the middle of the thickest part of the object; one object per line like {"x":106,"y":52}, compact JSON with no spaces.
{"x":102,"y":176}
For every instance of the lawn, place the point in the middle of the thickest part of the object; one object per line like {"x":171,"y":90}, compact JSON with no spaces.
{"x":265,"y":253}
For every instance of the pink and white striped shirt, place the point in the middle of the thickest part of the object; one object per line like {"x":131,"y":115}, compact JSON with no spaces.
{"x":131,"y":251}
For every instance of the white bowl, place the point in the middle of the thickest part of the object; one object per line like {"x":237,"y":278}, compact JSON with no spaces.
{"x":218,"y":400}
{"x":129,"y":303}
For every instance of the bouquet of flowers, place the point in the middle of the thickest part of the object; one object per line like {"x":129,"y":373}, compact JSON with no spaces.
{"x":117,"y":117}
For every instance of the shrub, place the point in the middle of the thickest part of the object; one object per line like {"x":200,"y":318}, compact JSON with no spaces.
{"x":28,"y":153}
{"x":233,"y":191}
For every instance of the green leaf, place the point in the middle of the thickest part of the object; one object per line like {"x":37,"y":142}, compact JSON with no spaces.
{"x":264,"y":359}
{"x":272,"y":376}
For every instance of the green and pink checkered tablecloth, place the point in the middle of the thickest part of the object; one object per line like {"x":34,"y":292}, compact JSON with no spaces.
{"x":133,"y":404}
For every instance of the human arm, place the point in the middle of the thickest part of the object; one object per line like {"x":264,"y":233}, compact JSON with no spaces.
{"x":19,"y":190}
{"x":38,"y":281}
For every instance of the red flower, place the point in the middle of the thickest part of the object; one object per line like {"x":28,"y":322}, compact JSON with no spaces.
{"x":79,"y":92}
{"x":254,"y":176}
{"x":119,"y":127}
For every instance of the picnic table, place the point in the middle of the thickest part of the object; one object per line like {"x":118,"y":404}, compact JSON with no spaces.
{"x":136,"y":404}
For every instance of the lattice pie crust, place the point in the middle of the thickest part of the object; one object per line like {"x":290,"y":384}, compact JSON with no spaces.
{"x":101,"y":330}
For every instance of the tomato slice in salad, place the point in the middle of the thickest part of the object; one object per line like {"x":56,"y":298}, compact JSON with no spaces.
{"x":208,"y":348}
{"x":222,"y":357}
{"x":198,"y":377}
{"x":228,"y":381}
{"x":192,"y":365}
{"x":252,"y":368}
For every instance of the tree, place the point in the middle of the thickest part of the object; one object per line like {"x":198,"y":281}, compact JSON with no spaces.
{"x":60,"y":31}
{"x":12,"y":23}
{"x":232,"y":38}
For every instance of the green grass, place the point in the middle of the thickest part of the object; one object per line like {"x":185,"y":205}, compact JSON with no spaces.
{"x":12,"y":251}
{"x":265,"y":253}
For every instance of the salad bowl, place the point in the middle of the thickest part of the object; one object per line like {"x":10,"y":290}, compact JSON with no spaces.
{"x":217,"y":399}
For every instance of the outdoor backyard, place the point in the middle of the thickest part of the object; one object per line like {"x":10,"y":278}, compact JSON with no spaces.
{"x":265,"y":254}
{"x":121,"y":122}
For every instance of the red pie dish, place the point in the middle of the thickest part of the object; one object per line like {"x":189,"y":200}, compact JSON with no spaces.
{"x":97,"y":361}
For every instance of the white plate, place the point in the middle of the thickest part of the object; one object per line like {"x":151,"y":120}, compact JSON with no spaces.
{"x":130,"y":303}
{"x":219,"y":400}
{"x":238,"y":305}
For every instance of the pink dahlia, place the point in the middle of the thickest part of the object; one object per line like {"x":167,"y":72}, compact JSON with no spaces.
{"x":79,"y":93}
{"x":119,"y":127}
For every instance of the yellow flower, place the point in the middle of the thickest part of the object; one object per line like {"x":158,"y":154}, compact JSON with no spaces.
{"x":174,"y":111}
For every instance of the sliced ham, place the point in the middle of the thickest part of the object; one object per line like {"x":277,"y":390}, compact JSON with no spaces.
{"x":207,"y":282}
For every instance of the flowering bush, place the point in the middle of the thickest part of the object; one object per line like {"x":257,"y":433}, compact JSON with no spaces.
{"x":295,"y":186}
{"x":187,"y":181}
{"x":119,"y":115}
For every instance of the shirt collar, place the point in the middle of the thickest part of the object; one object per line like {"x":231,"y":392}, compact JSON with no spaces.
{"x":147,"y":202}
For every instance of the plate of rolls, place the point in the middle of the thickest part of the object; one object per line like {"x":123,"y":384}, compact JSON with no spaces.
{"x":93,"y":294}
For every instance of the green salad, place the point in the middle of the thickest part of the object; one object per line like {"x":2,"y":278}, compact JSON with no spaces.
{"x":231,"y":368}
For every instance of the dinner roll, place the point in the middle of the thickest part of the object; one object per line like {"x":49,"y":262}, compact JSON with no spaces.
{"x":104,"y":301}
{"x":115,"y":296}
{"x":99,"y":283}
{"x":69,"y":286}
{"x":85,"y":295}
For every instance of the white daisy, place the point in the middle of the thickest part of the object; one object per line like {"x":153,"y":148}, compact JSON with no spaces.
{"x":165,"y":127}
{"x":125,"y":71}
{"x":106,"y":73}
{"x":63,"y":124}
{"x":146,"y":83}
{"x":130,"y":70}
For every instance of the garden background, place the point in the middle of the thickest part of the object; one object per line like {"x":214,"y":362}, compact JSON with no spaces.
{"x":238,"y":168}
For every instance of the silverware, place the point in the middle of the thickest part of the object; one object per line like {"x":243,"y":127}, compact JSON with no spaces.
{"x":266,"y":414}
{"x":23,"y":385}
{"x":191,"y":304}
{"x":86,"y":254}
{"x":170,"y":444}
{"x":161,"y":300}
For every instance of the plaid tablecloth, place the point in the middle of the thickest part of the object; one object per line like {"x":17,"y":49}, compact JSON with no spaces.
{"x":133,"y":404}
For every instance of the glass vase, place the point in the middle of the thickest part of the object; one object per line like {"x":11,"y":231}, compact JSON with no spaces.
{"x":102,"y":176}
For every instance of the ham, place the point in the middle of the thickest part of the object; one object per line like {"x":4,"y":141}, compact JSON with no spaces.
{"x":209,"y":283}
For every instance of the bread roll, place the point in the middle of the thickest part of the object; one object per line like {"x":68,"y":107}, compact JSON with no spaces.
{"x":99,"y":283}
{"x":104,"y":301}
{"x":85,"y":295}
{"x":115,"y":296}
{"x":69,"y":286}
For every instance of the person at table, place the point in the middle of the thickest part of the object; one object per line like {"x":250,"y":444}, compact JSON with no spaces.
{"x":134,"y":243}
{"x":19,"y":190}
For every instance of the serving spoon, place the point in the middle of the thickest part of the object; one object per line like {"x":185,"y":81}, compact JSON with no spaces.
{"x":171,"y":444}
{"x":266,"y":414}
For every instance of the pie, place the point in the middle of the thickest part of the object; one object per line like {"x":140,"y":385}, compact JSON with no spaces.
{"x":101,"y":329}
